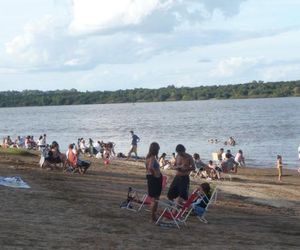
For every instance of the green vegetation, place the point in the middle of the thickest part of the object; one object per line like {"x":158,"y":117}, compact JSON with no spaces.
{"x":15,"y":151}
{"x":70,"y":97}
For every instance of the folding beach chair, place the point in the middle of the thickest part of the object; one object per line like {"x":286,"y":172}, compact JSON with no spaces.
{"x":137,"y":199}
{"x":211,"y":200}
{"x":177,"y":214}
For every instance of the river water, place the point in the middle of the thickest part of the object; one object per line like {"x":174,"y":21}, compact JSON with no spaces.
{"x":262,"y":128}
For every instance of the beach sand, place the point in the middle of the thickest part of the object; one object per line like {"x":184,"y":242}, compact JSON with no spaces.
{"x":71,"y":211}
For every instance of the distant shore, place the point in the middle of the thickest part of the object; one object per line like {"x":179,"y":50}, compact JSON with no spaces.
{"x":254,"y":89}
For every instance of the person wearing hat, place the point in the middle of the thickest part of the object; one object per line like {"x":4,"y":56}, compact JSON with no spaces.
{"x":134,"y":141}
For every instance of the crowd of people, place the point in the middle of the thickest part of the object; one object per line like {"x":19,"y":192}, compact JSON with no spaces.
{"x":225,"y":163}
{"x":26,"y":142}
{"x":184,"y":164}
{"x":52,"y":156}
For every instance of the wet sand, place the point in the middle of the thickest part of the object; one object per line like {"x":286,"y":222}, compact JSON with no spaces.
{"x":71,"y":211}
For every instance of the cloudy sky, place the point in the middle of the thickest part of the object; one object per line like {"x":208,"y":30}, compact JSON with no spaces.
{"x":124,"y":44}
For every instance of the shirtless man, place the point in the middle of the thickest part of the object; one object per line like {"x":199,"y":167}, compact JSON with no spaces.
{"x":184,"y":164}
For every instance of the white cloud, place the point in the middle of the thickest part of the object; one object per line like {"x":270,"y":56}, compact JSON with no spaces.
{"x":100,"y":15}
{"x":44,"y":44}
{"x":281,"y":72}
{"x":234,"y":65}
{"x":104,"y":32}
{"x":156,"y":42}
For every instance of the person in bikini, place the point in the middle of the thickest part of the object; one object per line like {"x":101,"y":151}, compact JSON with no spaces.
{"x":154,"y":178}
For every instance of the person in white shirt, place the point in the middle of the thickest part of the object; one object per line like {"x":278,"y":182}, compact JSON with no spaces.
{"x":83,"y":146}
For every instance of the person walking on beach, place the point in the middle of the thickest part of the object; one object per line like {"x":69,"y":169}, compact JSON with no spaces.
{"x":134,"y":141}
{"x":154,"y":178}
{"x":279,"y":166}
{"x":184,"y":164}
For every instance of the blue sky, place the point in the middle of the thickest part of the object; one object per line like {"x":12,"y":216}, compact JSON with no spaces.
{"x":124,"y":44}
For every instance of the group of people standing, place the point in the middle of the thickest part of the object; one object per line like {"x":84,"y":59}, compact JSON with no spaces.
{"x":179,"y":188}
{"x":185,"y":166}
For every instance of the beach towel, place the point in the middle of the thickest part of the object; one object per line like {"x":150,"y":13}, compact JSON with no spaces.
{"x":14,"y":181}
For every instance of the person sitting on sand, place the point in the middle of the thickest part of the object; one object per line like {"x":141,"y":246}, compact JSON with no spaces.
{"x":163,"y":163}
{"x":7,"y":142}
{"x":19,"y":142}
{"x":32,"y":142}
{"x":214,"y":171}
{"x":228,"y":151}
{"x":184,"y":164}
{"x":154,"y":178}
{"x":229,"y":164}
{"x":54,"y":157}
{"x":200,"y":167}
{"x":74,"y":161}
{"x":240,"y":159}
{"x":279,"y":167}
{"x":28,"y":142}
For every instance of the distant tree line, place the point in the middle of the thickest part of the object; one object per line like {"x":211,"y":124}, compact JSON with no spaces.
{"x":171,"y":93}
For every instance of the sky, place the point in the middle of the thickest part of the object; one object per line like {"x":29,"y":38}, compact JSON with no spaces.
{"x":125,"y":44}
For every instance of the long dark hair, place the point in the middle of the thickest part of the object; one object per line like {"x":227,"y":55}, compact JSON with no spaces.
{"x":206,"y":188}
{"x":162,"y":155}
{"x":153,"y":150}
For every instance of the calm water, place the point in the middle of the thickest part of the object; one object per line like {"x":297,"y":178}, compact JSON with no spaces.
{"x":262,"y":128}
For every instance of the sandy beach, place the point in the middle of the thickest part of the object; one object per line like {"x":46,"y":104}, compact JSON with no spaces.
{"x":71,"y":211}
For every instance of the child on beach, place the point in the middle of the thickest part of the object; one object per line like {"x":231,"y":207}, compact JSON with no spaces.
{"x":201,"y":203}
{"x":279,"y":166}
